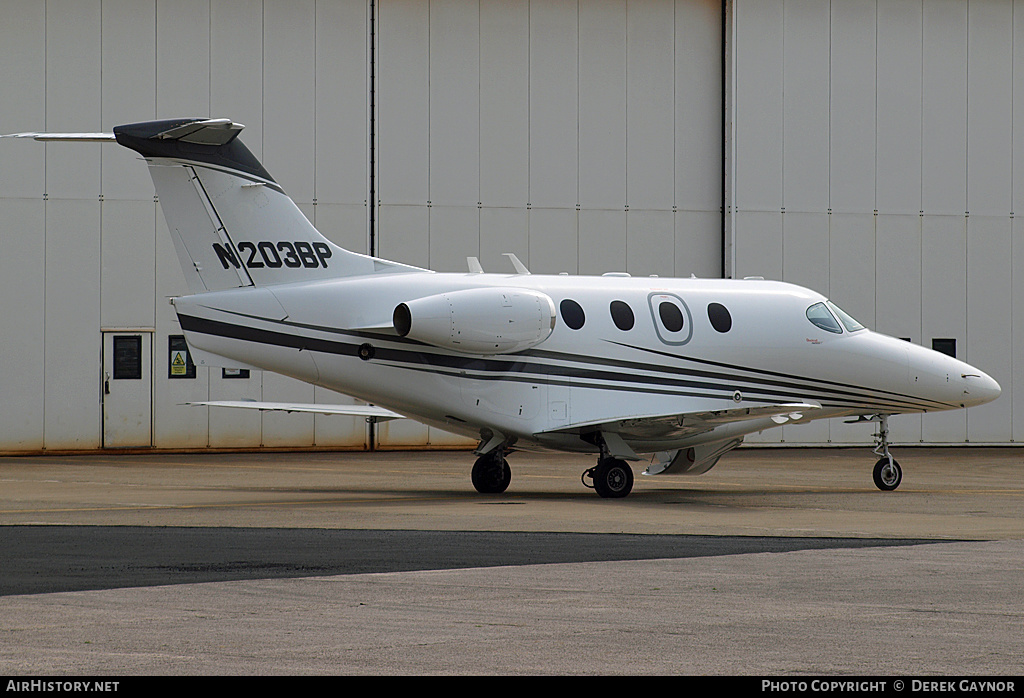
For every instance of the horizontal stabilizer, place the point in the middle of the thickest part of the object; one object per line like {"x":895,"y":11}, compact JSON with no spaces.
{"x":81,"y":137}
{"x":232,"y":225}
{"x":204,"y":132}
{"x":370,"y":412}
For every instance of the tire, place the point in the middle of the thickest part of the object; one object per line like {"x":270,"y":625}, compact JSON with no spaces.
{"x":491,"y":475}
{"x":887,"y":479}
{"x":613,"y":478}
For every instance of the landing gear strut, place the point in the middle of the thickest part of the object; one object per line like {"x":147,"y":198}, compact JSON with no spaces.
{"x":887,"y":473}
{"x":491,"y":474}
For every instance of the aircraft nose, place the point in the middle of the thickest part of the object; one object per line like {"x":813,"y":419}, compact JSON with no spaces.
{"x":945,"y":379}
{"x":979,"y":387}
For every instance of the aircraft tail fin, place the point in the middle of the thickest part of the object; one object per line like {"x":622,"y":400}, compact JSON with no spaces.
{"x":231,"y":223}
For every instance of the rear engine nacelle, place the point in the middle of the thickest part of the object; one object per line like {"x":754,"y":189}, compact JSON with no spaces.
{"x":478,"y":320}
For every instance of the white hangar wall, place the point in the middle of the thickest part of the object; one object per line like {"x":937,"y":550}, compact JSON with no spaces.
{"x":873,"y":150}
{"x":870,"y":151}
{"x":584,"y":137}
{"x":86,"y":251}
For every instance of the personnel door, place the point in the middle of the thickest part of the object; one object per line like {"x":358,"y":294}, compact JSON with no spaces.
{"x":127,"y":389}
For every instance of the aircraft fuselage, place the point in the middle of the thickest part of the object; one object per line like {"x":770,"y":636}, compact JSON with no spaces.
{"x":728,"y":344}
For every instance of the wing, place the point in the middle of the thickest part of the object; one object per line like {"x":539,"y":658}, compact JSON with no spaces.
{"x":668,"y":427}
{"x":370,"y":412}
{"x":691,"y":423}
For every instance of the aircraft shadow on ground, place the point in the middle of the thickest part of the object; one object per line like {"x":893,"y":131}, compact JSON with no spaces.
{"x":45,"y":559}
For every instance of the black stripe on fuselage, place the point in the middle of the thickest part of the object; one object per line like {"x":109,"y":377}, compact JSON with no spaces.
{"x":552,"y":374}
{"x":817,"y":383}
{"x":840,"y":391}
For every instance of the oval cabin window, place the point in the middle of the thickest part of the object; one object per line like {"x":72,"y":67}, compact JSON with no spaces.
{"x":671,"y":316}
{"x":622,"y":315}
{"x":719,"y":316}
{"x":572,"y":314}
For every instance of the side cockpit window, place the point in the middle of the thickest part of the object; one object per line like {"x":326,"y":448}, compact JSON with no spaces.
{"x":849,"y":323}
{"x":831,"y":318}
{"x":820,"y":316}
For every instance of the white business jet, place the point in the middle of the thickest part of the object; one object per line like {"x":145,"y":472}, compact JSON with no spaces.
{"x":679,"y":368}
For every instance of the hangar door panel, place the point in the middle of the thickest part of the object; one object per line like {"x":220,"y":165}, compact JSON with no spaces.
{"x":571,"y":115}
{"x":872,"y":160}
{"x":127,"y":389}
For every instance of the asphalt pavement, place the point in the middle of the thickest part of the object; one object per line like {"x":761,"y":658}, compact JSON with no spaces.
{"x":777,"y":562}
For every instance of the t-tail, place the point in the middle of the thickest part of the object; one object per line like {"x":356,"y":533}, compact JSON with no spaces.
{"x":232,"y":224}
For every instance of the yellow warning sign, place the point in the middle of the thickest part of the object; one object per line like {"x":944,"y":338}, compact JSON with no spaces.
{"x":178,"y":366}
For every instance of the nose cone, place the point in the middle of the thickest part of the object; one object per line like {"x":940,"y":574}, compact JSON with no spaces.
{"x":943,"y":379}
{"x":978,"y":388}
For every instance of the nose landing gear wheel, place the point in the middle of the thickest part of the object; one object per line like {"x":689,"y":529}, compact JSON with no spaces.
{"x":613,"y":478}
{"x":491,"y":474}
{"x":888,"y":474}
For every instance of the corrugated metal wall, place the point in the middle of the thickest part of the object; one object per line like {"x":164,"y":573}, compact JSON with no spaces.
{"x":583,"y":136}
{"x":86,"y":247}
{"x":875,"y":147}
{"x":871,"y":148}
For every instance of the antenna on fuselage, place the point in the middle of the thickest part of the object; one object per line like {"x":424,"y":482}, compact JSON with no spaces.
{"x":520,"y":267}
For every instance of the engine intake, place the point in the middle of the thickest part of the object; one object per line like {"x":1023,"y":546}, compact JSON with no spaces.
{"x":478,"y":320}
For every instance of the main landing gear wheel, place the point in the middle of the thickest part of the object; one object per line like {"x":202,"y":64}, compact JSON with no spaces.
{"x":491,"y":474}
{"x":888,"y":474}
{"x":613,"y":478}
